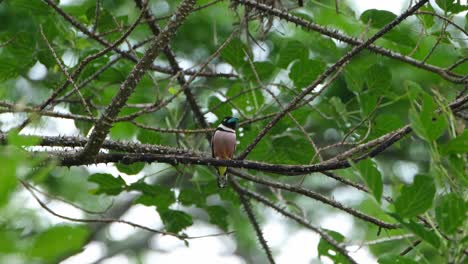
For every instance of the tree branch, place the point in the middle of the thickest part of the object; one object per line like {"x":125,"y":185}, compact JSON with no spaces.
{"x":82,"y":64}
{"x":296,"y":218}
{"x":104,"y":123}
{"x":82,"y":28}
{"x":342,"y":61}
{"x":110,"y":220}
{"x":250,"y":214}
{"x":176,"y":68}
{"x":315,"y":196}
{"x":152,"y":153}
{"x":307,"y":25}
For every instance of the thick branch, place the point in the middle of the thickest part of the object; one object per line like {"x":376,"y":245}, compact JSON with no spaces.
{"x":104,"y":123}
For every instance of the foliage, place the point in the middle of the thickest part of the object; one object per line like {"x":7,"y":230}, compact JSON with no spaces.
{"x":389,"y":124}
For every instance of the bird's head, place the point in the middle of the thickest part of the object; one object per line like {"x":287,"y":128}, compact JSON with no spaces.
{"x":230,"y":122}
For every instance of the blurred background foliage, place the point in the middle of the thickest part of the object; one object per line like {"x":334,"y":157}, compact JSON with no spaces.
{"x":373,"y":93}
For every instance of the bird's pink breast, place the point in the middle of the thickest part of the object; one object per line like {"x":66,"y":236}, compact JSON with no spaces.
{"x":224,"y":144}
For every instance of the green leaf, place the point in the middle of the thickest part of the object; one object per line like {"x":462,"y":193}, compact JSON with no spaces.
{"x":229,"y":195}
{"x":452,"y":6}
{"x":23,"y":49}
{"x":438,"y":128}
{"x":378,"y":78}
{"x":414,"y":90}
{"x":112,"y":76}
{"x":234,"y":53}
{"x":422,"y":232}
{"x":108,"y":184}
{"x":416,"y":198}
{"x":457,"y":145}
{"x":263,"y":69}
{"x":368,"y":102}
{"x":385,"y":123}
{"x":59,"y":241}
{"x":7,"y":244}
{"x":218,"y":216}
{"x":22,"y":140}
{"x":174,"y":220}
{"x":83,"y":126}
{"x":10,"y":67}
{"x":219,"y":109}
{"x":425,"y":124}
{"x":339,"y":106}
{"x":427,"y":20}
{"x":172,"y":90}
{"x":291,"y":148}
{"x":148,"y":137}
{"x":466,"y":22}
{"x":417,"y":123}
{"x":189,"y":196}
{"x":458,"y":168}
{"x":293,"y":50}
{"x":153,"y":195}
{"x":427,"y":235}
{"x":305,"y":71}
{"x":451,"y":212}
{"x":203,"y":174}
{"x":396,"y":260}
{"x":325,"y":249}
{"x":8,"y":181}
{"x":35,"y":7}
{"x":354,"y":82}
{"x":123,"y":131}
{"x":130,"y":169}
{"x":367,"y":170}
{"x":248,"y":102}
{"x":377,"y":18}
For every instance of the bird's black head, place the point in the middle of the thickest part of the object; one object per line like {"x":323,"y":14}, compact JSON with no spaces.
{"x":230,"y":122}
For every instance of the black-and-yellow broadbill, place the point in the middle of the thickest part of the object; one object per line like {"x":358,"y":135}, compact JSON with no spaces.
{"x":223,"y":145}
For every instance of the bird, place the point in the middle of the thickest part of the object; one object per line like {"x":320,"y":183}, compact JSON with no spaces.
{"x":223,"y":145}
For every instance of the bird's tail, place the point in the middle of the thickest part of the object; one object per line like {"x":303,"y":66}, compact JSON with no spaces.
{"x":222,"y":177}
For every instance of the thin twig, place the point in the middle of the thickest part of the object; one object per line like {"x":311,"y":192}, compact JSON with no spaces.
{"x":156,"y":107}
{"x":7,"y":42}
{"x":82,"y":28}
{"x":253,"y":220}
{"x":457,"y":63}
{"x":411,"y":247}
{"x":111,"y":220}
{"x":442,"y":18}
{"x":337,"y":65}
{"x":436,"y":44}
{"x":97,"y":13}
{"x":308,"y":25}
{"x":82,"y":64}
{"x":296,"y":218}
{"x":65,"y":72}
{"x":176,"y":68}
{"x":67,"y":202}
{"x":369,"y":116}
